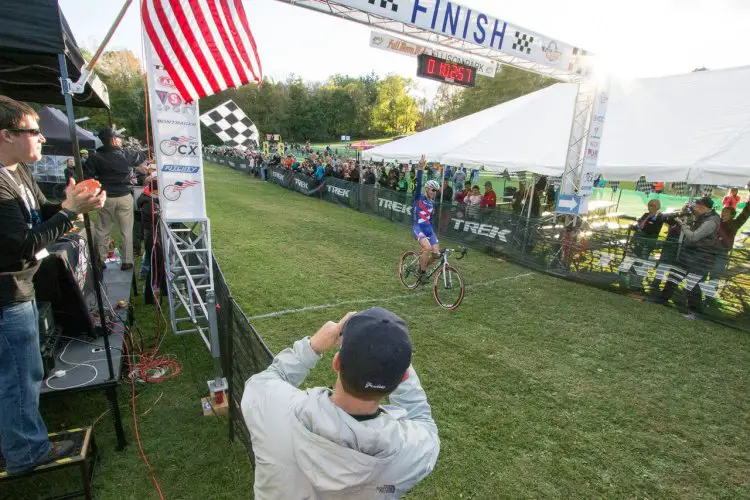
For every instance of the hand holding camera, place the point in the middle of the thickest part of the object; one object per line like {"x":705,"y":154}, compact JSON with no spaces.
{"x":329,"y":335}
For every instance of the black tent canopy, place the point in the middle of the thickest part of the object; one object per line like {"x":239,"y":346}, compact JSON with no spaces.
{"x":33,"y":33}
{"x":54,"y":125}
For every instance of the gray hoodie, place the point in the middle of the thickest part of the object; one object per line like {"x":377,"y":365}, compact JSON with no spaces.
{"x":308,"y":448}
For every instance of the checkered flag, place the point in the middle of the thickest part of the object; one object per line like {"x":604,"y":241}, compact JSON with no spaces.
{"x":680,"y":188}
{"x":231,"y":125}
{"x":707,"y":190}
{"x":522,"y":42}
{"x":385,"y":3}
{"x":643,"y":185}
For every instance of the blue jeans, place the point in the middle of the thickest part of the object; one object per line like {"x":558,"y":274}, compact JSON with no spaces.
{"x":23,"y":435}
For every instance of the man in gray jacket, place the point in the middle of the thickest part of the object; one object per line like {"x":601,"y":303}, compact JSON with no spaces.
{"x":341,"y":443}
{"x":697,"y":254}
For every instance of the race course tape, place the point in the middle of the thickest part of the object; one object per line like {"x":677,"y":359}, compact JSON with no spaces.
{"x":284,"y":312}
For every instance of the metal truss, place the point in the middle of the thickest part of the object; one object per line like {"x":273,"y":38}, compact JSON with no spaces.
{"x":190,"y":280}
{"x":382,"y":23}
{"x":579,"y":132}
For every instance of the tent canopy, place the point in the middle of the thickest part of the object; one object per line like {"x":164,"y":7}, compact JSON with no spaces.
{"x":505,"y":136}
{"x":688,"y":128}
{"x":33,"y":33}
{"x":54,"y":125}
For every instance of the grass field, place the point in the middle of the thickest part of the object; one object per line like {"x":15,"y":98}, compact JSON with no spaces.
{"x":541,"y":388}
{"x":378,"y":142}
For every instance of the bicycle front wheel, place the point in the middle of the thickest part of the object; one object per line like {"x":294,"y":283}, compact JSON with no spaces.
{"x":408,"y":269}
{"x":448,"y":288}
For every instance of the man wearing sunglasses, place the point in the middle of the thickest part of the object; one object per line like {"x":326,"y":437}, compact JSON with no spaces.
{"x":424,"y":207}
{"x":29,"y":224}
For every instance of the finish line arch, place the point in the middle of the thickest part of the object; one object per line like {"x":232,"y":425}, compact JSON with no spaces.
{"x":454,"y":27}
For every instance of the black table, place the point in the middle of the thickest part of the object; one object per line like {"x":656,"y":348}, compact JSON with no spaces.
{"x":84,"y":359}
{"x":65,"y":280}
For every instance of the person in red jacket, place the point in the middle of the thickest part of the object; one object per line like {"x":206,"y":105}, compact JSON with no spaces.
{"x":728,"y":228}
{"x":489,"y":200}
{"x":732,"y":199}
{"x":461,"y":195}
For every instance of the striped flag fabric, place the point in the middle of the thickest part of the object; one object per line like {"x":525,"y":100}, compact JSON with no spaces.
{"x":206,"y":46}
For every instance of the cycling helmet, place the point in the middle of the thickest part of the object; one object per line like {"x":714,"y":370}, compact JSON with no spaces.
{"x":433,"y":184}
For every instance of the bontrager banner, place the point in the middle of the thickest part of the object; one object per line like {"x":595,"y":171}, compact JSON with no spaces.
{"x":177,"y":141}
{"x":713,"y":279}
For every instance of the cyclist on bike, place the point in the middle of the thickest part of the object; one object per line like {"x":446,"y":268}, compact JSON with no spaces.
{"x":423,"y":208}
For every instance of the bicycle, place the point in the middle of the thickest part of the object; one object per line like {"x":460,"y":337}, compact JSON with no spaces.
{"x":443,"y":290}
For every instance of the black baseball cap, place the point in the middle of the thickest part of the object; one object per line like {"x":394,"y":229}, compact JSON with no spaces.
{"x":106,"y":134}
{"x":706,"y":202}
{"x":375,"y":351}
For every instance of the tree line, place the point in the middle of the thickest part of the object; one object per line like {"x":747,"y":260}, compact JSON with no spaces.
{"x":367,"y":106}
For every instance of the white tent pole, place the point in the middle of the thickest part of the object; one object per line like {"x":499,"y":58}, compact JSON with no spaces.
{"x":531,"y":199}
{"x":442,"y":183}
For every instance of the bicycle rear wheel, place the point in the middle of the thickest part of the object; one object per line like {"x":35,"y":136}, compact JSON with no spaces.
{"x":448,"y":288}
{"x":408,"y":269}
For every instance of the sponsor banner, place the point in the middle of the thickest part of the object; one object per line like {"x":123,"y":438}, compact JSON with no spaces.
{"x":181,"y":169}
{"x":491,"y":232}
{"x":593,"y":143}
{"x":306,"y":185}
{"x":176,"y":133}
{"x":453,"y":20}
{"x":391,"y":43}
{"x":279,"y":176}
{"x":341,"y":192}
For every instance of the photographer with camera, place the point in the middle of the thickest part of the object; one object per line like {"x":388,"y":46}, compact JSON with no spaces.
{"x":341,"y":443}
{"x":698,"y":251}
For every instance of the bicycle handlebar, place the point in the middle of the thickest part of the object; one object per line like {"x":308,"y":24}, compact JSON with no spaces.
{"x":445,"y":251}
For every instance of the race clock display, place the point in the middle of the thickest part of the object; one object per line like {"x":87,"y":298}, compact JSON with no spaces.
{"x":446,"y":71}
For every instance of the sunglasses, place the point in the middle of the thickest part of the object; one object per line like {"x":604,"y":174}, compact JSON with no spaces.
{"x":30,"y":131}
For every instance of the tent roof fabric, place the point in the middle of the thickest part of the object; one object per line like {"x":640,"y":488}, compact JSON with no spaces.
{"x":687,"y":128}
{"x":32,"y":36}
{"x":54,"y":126}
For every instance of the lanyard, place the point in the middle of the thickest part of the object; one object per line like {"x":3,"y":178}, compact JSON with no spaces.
{"x":23,"y":192}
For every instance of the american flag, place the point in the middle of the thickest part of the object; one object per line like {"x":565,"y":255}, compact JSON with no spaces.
{"x":180,"y":140}
{"x":183,"y":185}
{"x":206,"y":46}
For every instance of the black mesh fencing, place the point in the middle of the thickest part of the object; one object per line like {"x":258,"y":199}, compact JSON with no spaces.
{"x":233,"y":162}
{"x":243,"y":353}
{"x":603,"y":251}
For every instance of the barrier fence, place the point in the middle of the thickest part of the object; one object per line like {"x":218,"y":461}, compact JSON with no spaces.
{"x":243,"y":354}
{"x":601,"y":251}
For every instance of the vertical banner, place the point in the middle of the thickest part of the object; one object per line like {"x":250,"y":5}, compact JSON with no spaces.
{"x":593,"y":143}
{"x":177,"y":144}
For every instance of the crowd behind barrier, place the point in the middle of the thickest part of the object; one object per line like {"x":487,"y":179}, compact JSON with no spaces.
{"x":602,"y":251}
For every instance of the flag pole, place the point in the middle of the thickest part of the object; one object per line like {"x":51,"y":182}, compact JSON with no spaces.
{"x":77,"y":87}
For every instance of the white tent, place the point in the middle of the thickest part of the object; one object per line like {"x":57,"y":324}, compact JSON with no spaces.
{"x":688,"y":128}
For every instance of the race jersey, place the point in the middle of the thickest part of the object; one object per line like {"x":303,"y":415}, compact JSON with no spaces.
{"x":423,"y":210}
{"x":422,"y":207}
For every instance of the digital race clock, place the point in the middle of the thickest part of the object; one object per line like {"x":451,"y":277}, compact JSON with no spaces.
{"x":446,"y":71}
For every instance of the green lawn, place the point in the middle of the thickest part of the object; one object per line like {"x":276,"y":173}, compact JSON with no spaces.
{"x":541,"y":388}
{"x":339,"y":144}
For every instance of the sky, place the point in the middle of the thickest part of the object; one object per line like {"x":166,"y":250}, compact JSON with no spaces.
{"x":633,"y":38}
